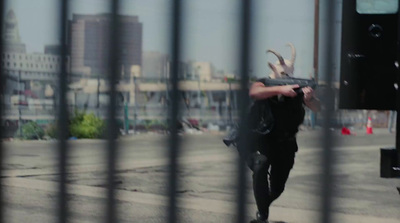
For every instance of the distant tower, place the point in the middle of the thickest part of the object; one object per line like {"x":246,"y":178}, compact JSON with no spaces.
{"x":11,"y":39}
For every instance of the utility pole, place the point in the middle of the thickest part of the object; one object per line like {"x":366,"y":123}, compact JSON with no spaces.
{"x":98,"y":92}
{"x":230,"y":103}
{"x":200,"y":101}
{"x":316,"y":38}
{"x":316,"y":48}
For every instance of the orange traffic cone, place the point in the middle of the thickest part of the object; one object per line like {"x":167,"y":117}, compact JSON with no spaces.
{"x":369,"y":126}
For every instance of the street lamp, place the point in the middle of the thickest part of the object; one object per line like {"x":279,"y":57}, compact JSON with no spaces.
{"x":19,"y":104}
{"x":199,"y":101}
{"x":230,"y":102}
{"x":135,"y":105}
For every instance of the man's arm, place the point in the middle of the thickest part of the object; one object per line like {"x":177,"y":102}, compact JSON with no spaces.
{"x":258,"y":91}
{"x":310,"y":100}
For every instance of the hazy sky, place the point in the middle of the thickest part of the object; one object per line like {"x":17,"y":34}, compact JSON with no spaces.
{"x":210,"y":28}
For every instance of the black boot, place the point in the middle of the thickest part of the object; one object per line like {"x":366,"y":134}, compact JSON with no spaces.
{"x":260,"y":218}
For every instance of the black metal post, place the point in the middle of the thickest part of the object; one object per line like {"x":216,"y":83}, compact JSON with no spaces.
{"x":245,"y":37}
{"x":135,"y":105}
{"x":397,"y":64}
{"x":327,"y":143}
{"x":63,"y":116}
{"x":112,"y":147}
{"x":174,"y":142}
{"x":230,"y":103}
{"x":19,"y":106}
{"x":2,"y":85}
{"x":398,"y":131}
{"x":98,"y":92}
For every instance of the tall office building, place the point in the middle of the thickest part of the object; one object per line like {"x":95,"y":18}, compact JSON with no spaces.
{"x":11,"y":39}
{"x":89,"y":37}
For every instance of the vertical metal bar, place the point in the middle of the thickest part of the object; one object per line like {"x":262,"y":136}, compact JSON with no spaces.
{"x":244,"y":33}
{"x":2,"y":85}
{"x":63,"y":115}
{"x":112,"y":148}
{"x":316,"y":38}
{"x":397,"y":113}
{"x":327,"y":155}
{"x":173,"y":111}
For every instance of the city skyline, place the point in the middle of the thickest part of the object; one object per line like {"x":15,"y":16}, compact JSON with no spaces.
{"x":210,"y":28}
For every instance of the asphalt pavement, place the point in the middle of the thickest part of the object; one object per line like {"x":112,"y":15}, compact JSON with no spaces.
{"x":207,"y":176}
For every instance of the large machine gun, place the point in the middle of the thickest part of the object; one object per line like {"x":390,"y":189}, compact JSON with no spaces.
{"x":302,"y":82}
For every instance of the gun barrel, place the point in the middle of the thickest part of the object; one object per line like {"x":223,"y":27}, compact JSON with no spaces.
{"x":290,"y":81}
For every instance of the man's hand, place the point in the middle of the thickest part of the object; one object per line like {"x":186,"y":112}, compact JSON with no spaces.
{"x":308,"y":93}
{"x":310,"y":100}
{"x":288,"y":90}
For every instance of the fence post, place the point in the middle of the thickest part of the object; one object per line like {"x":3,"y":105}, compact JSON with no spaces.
{"x":2,"y":85}
{"x":63,"y":115}
{"x":244,"y":33}
{"x":173,"y":106}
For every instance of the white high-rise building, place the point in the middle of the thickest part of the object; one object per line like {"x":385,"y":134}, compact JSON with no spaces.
{"x":23,"y":69}
{"x":11,"y":36}
{"x":20,"y":64}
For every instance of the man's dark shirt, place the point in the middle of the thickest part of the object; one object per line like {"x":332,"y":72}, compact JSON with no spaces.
{"x":288,"y":114}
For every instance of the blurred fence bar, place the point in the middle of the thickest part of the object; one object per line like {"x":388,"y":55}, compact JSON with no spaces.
{"x":244,"y":33}
{"x":174,"y":110}
{"x":63,"y":114}
{"x":327,"y":141}
{"x":2,"y":86}
{"x":112,"y":147}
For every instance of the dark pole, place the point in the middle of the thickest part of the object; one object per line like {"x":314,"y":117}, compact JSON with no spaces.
{"x":230,"y":103}
{"x":316,"y":38}
{"x":398,"y":129}
{"x":113,"y":48}
{"x":397,"y":64}
{"x":98,"y":91}
{"x":135,"y":105}
{"x":173,"y":108}
{"x":63,"y":209}
{"x":245,"y":37}
{"x":316,"y":55}
{"x":19,"y":105}
{"x":328,"y":156}
{"x":2,"y":85}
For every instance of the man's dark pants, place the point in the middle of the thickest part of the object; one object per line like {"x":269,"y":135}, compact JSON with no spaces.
{"x":271,"y":166}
